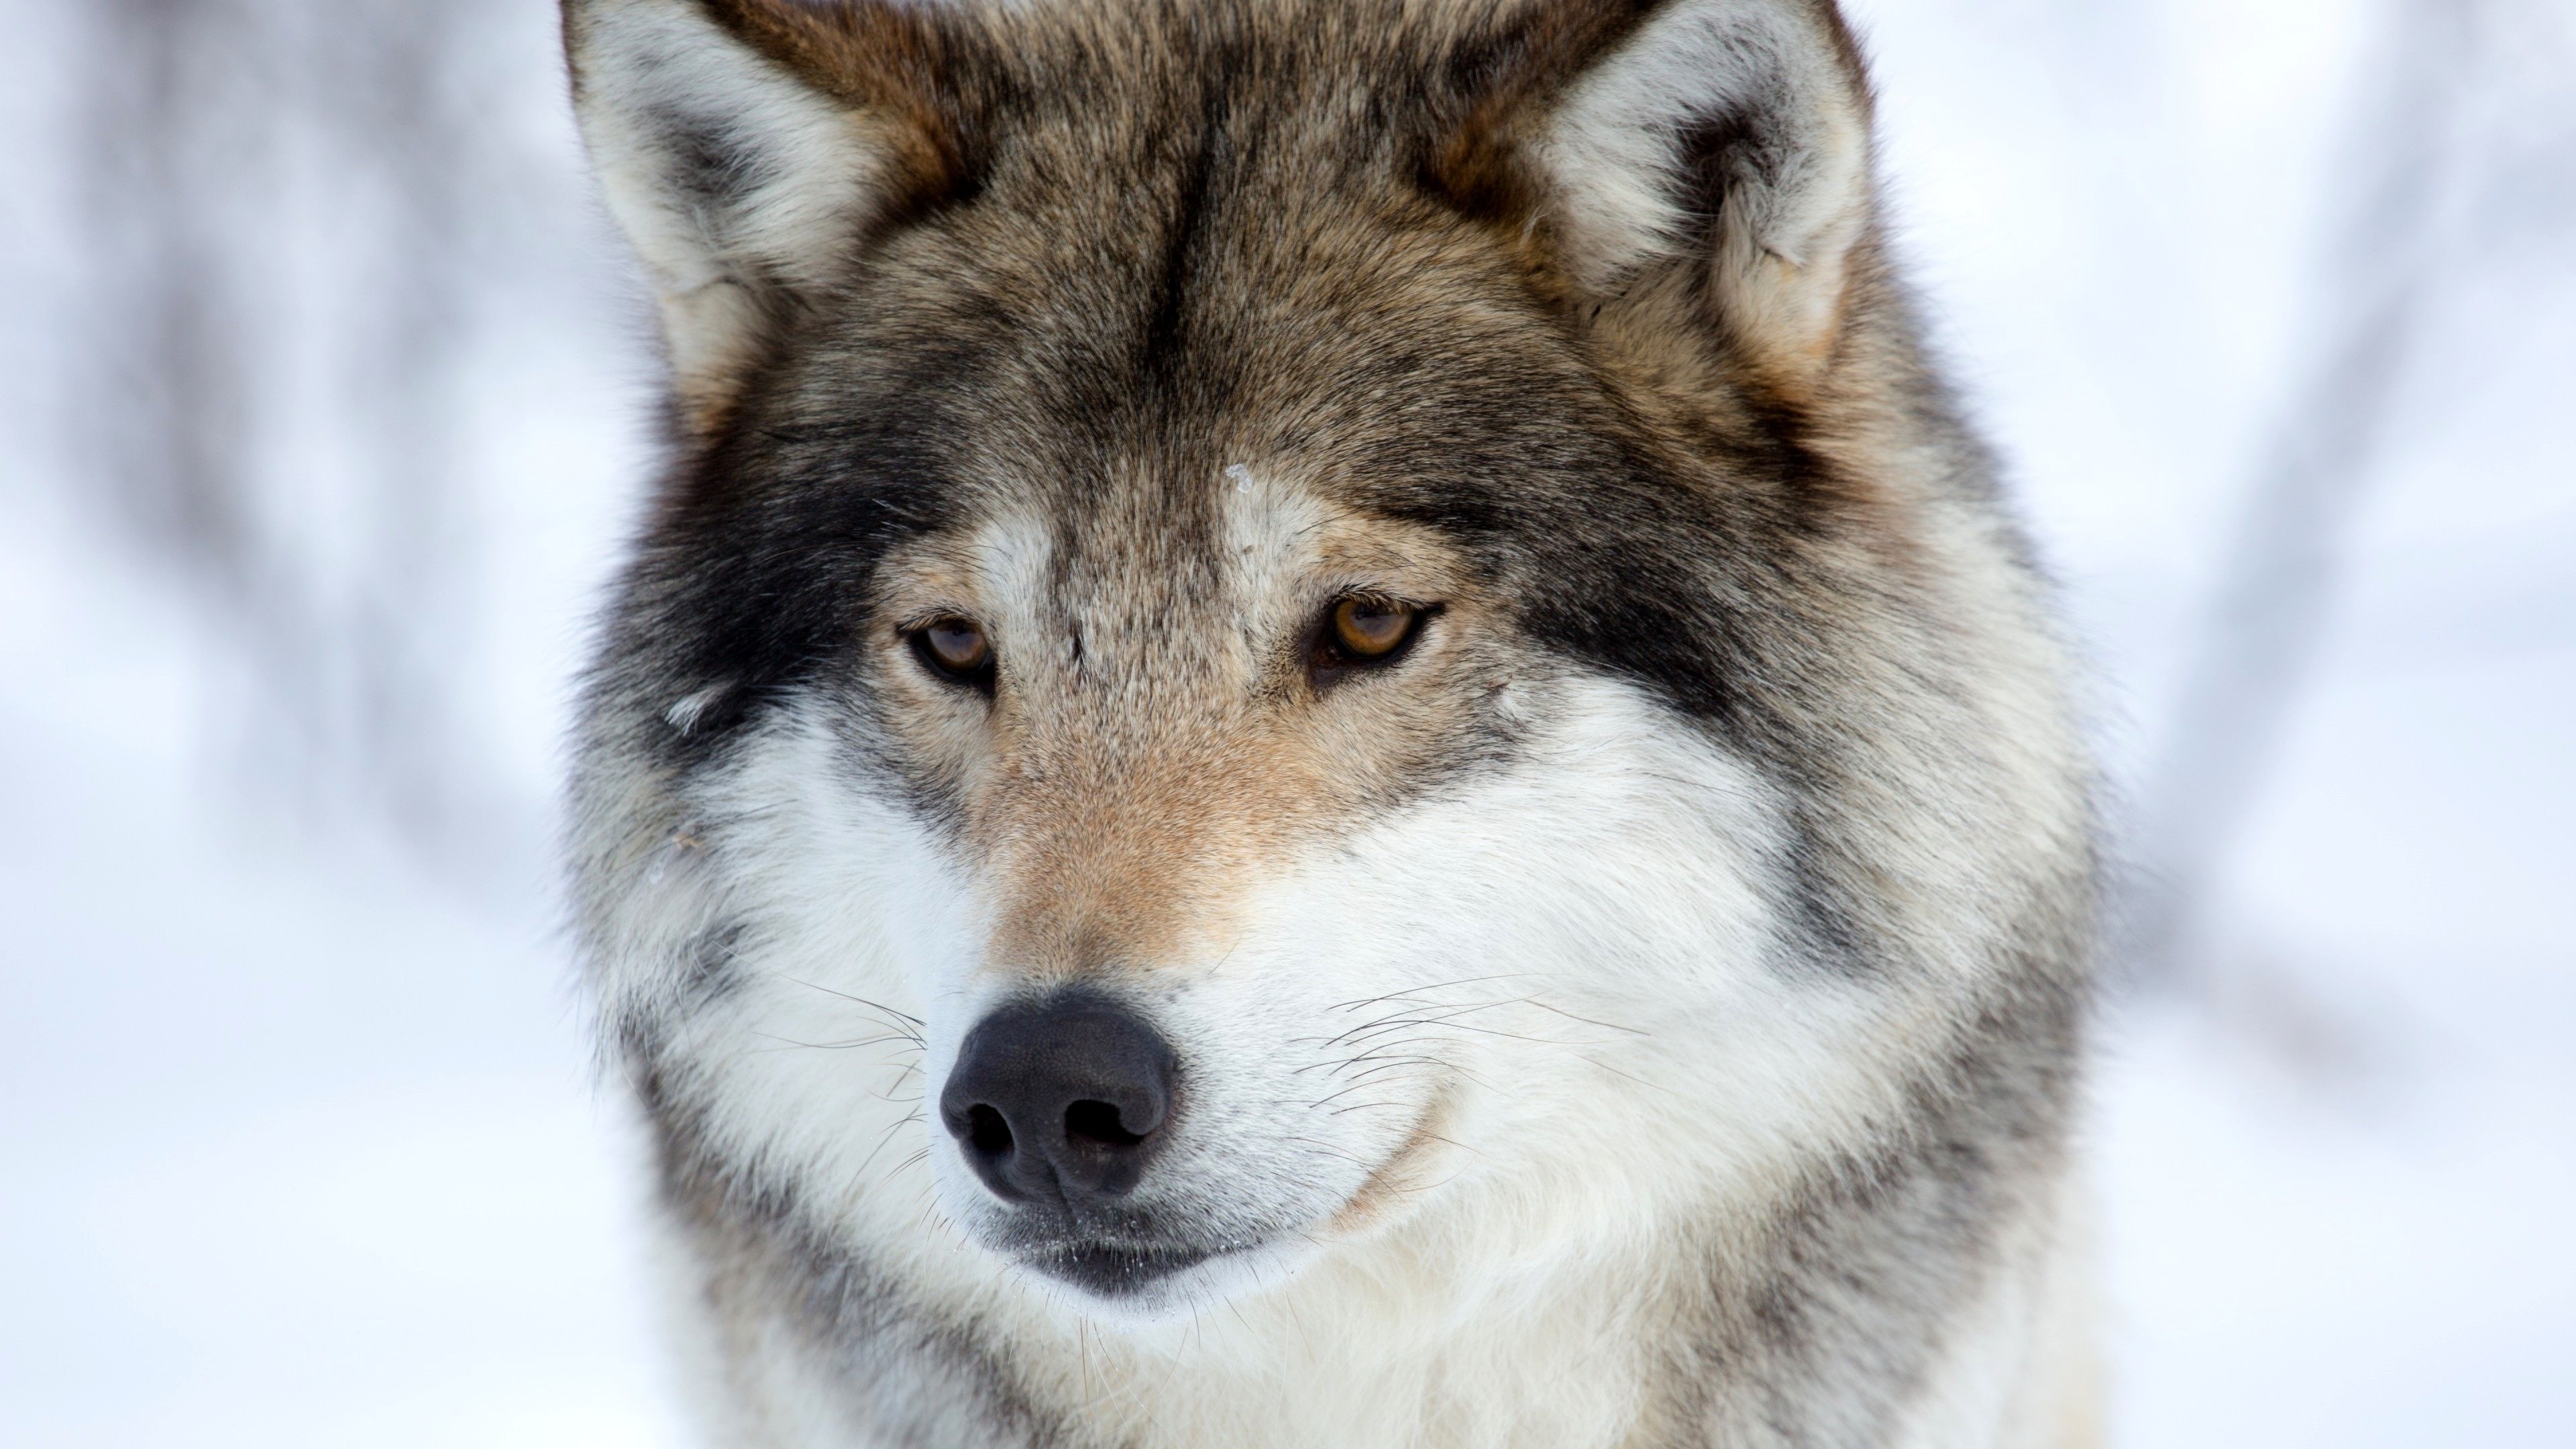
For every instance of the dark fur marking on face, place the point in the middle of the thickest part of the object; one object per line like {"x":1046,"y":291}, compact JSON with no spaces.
{"x":763,"y":560}
{"x":1159,"y":340}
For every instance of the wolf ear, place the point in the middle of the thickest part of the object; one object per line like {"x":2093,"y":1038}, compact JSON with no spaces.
{"x":747,"y":147}
{"x":1730,"y":134}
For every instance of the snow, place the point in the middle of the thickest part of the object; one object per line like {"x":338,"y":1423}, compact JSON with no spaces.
{"x":300,"y":1143}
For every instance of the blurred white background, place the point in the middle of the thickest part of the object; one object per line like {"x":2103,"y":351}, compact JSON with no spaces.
{"x":326,"y":395}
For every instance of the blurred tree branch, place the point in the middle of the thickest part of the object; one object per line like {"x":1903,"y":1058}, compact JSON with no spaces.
{"x":279,"y":197}
{"x":2269,"y":614}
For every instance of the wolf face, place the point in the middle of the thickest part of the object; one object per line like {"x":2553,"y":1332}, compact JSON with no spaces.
{"x":1298,"y":637}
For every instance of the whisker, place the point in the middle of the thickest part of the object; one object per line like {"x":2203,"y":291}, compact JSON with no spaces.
{"x":882,"y":1139}
{"x":1436,"y":986}
{"x":1364,"y":1106}
{"x":834,"y":1046}
{"x":897,"y":1016}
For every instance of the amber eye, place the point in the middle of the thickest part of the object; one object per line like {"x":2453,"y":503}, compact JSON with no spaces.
{"x":1361,"y":632}
{"x":957,"y":649}
{"x":1370,"y":628}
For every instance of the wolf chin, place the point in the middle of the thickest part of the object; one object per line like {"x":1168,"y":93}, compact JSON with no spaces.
{"x":1323,"y":736}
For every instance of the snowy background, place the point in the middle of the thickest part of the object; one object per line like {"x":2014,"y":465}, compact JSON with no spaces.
{"x":322,"y":399}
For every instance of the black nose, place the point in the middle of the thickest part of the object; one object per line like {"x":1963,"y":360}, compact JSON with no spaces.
{"x":1060,"y":1099}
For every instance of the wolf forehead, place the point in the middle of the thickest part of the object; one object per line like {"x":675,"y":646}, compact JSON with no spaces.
{"x":1098,"y":255}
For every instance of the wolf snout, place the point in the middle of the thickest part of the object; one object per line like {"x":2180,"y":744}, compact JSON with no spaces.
{"x":1060,"y":1100}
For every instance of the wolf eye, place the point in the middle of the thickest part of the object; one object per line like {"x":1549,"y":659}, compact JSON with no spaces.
{"x":1362,"y":632}
{"x":955,"y":649}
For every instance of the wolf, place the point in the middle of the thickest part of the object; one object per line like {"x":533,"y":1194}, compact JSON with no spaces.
{"x":1325,"y":734}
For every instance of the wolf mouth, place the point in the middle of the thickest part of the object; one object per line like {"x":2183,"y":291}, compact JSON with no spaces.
{"x":1123,"y":1270}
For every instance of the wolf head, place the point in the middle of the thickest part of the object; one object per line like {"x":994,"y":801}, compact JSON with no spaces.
{"x":1289,"y":634}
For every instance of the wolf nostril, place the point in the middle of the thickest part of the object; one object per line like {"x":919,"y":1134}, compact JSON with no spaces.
{"x":1097,"y":1122}
{"x":986,"y":1130}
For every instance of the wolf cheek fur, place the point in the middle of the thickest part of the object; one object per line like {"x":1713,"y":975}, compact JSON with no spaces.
{"x":1323,"y":737}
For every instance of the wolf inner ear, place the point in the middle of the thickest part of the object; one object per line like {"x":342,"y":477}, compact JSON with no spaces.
{"x":748,"y":147}
{"x":1728,"y":134}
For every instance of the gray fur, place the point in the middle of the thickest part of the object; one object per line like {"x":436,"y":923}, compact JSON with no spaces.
{"x":1112,"y":249}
